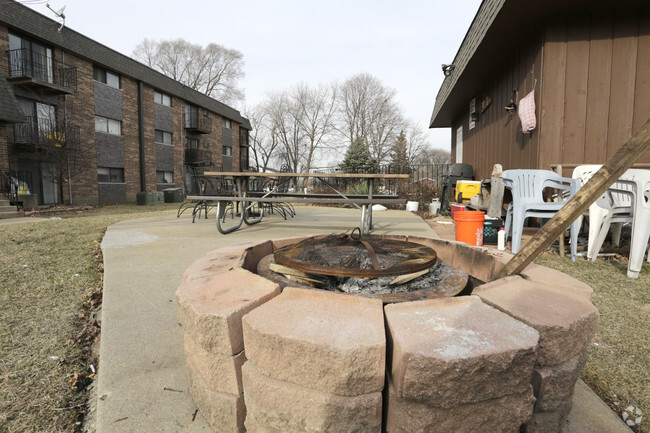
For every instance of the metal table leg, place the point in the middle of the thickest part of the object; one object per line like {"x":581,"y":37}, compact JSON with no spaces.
{"x":221,"y":207}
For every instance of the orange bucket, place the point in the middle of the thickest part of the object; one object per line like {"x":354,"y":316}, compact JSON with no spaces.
{"x":469,"y":227}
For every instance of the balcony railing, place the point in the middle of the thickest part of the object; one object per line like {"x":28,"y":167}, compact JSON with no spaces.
{"x":45,"y":134}
{"x":13,"y":183}
{"x":42,"y":70}
{"x":196,"y":157}
{"x":196,"y":122}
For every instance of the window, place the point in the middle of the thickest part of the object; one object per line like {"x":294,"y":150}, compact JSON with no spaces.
{"x":191,"y":116}
{"x":164,"y":176}
{"x":226,"y":123}
{"x":109,"y":174}
{"x":162,"y":98}
{"x":108,"y":126}
{"x":227,"y":150}
{"x":163,"y":137}
{"x":30,"y":59}
{"x":105,"y":76}
{"x":191,"y":143}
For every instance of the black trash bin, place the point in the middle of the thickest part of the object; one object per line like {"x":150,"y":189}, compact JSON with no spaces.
{"x":457,"y":172}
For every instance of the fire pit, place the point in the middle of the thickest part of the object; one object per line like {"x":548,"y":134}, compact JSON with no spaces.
{"x":268,"y":353}
{"x":394,"y":270}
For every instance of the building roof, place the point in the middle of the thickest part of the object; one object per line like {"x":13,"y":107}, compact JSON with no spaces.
{"x":29,"y":22}
{"x":9,"y":109}
{"x":496,"y":31}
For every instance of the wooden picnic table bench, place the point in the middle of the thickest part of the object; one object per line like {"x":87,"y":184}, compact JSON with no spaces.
{"x":248,"y":199}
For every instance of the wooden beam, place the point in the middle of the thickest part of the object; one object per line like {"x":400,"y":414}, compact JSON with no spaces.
{"x":627,"y":155}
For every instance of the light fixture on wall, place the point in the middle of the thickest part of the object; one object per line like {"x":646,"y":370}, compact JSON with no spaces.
{"x":512,"y":106}
{"x":446,"y":69}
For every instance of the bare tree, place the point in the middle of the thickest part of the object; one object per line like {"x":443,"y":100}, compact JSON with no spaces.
{"x":214,"y":70}
{"x":264,"y":140}
{"x":436,"y":156}
{"x":315,"y":117}
{"x":368,"y":110}
{"x":416,"y":143}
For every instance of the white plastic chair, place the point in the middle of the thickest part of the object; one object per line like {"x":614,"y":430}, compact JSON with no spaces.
{"x":628,"y":200}
{"x":527,"y":188}
{"x":596,"y":213}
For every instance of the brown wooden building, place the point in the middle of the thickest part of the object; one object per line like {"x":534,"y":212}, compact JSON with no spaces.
{"x":589,"y":63}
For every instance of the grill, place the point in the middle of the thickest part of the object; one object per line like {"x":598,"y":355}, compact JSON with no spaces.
{"x":394,"y":270}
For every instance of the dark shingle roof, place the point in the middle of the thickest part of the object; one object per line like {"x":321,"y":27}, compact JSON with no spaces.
{"x":9,"y":109}
{"x":30,"y":22}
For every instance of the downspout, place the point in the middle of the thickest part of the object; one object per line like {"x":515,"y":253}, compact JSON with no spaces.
{"x":143,"y":179}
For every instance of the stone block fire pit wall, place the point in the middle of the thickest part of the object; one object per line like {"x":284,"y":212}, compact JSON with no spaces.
{"x":504,"y":358}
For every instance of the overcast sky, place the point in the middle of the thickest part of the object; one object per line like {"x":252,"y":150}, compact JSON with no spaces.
{"x":403,"y":43}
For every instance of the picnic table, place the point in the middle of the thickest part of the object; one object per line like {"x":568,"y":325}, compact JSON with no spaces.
{"x":250,"y":199}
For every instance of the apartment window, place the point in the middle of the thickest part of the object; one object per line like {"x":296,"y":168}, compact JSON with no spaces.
{"x":227,"y":150}
{"x":226,"y":123}
{"x":108,"y":126}
{"x":110,"y":174}
{"x":105,"y":76}
{"x":162,"y":98}
{"x":163,"y":137}
{"x":164,"y":176}
{"x":30,"y":59}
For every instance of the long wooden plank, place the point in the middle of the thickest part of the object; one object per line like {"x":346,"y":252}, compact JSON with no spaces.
{"x":635,"y":147}
{"x":329,"y":175}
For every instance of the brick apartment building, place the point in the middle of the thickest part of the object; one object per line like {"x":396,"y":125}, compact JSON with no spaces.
{"x":80,"y":120}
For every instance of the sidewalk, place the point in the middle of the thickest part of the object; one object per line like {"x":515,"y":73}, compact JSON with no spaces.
{"x":141,"y":384}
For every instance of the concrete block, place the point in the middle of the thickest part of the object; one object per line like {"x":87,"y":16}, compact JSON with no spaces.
{"x":224,"y":412}
{"x":218,"y":372}
{"x":504,"y":414}
{"x":211,"y":311}
{"x":453,"y":351}
{"x":547,"y":422}
{"x":216,"y":261}
{"x":331,"y":342}
{"x":282,"y":407}
{"x":556,"y":279}
{"x":553,"y":386}
{"x":474,"y":261}
{"x":566,"y":322}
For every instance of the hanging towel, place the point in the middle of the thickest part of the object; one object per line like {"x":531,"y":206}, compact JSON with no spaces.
{"x":527,"y":113}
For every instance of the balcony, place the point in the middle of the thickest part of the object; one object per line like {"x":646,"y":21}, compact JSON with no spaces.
{"x":39,"y":70}
{"x":198,"y":158}
{"x":45,"y":135}
{"x":195,"y":122}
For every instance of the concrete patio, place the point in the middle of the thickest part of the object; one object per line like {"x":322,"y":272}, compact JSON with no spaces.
{"x":142,"y":383}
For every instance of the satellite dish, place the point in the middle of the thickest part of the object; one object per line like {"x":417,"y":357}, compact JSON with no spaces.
{"x":59,"y":14}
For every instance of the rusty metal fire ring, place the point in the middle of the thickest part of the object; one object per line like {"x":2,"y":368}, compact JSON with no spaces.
{"x":352,"y":256}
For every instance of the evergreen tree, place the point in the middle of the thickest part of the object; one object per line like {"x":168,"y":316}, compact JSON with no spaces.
{"x":399,"y":156}
{"x":358,"y":159}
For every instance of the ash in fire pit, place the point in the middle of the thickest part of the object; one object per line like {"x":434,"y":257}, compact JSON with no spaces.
{"x":394,"y":270}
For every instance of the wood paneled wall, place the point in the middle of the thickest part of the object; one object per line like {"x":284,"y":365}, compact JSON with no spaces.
{"x":603,"y":63}
{"x":592,"y":94}
{"x":497,"y":136}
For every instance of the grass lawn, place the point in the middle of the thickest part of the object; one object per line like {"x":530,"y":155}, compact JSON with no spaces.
{"x":50,"y":281}
{"x":49,"y":272}
{"x":618,"y":366}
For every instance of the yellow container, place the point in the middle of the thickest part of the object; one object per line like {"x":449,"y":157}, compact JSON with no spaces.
{"x":468,"y":188}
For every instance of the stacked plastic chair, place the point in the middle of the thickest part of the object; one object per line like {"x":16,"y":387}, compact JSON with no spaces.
{"x":527,"y":188}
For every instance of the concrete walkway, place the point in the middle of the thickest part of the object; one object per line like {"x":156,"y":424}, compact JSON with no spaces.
{"x":142,"y":385}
